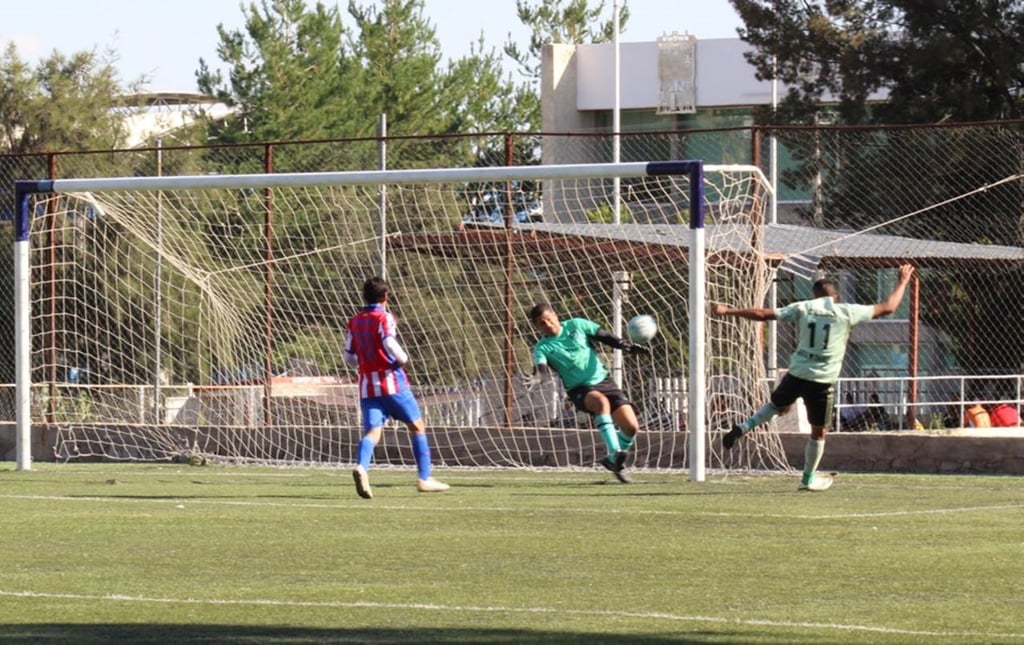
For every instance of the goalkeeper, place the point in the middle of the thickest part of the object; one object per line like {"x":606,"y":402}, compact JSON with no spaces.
{"x":823,"y":326}
{"x":567,"y":348}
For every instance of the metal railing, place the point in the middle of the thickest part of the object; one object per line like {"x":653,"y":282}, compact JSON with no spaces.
{"x":941,"y":401}
{"x":881,"y":403}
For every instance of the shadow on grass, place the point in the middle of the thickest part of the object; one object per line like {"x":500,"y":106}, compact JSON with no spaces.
{"x":160,"y":633}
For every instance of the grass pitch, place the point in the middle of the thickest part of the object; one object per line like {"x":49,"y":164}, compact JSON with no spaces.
{"x":159,"y":553}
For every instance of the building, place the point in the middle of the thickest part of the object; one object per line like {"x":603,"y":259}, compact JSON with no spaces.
{"x":711,"y":86}
{"x":675,"y":83}
{"x":161,"y":113}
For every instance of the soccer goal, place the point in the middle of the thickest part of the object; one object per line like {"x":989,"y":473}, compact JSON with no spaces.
{"x":203,"y":317}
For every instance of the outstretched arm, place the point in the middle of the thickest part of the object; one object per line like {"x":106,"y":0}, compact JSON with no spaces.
{"x":890,"y":304}
{"x":607,"y":338}
{"x":752,"y":313}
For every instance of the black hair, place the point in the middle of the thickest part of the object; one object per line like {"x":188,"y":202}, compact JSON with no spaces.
{"x":538,"y":310}
{"x":375,"y":290}
{"x":825,"y":287}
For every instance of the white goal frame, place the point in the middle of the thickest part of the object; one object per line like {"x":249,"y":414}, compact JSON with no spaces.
{"x":691,"y":169}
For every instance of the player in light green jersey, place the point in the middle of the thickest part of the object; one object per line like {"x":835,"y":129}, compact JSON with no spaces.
{"x":824,"y":326}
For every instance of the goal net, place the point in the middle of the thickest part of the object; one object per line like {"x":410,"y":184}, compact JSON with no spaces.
{"x":178,"y":318}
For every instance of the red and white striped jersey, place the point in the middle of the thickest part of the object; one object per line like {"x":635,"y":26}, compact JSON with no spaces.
{"x":380,"y":371}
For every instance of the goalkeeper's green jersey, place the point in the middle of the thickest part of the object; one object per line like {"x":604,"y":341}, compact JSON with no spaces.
{"x":824,"y":328}
{"x":571,"y":355}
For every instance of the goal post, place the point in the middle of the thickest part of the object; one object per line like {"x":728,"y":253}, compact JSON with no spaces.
{"x":203,"y":317}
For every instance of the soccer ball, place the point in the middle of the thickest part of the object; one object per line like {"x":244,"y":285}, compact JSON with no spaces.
{"x":641,"y":329}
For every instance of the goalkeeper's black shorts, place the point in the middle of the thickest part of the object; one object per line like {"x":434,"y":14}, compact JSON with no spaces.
{"x":616,"y":397}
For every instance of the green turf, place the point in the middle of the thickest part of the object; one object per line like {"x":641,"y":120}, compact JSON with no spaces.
{"x":160,"y":553}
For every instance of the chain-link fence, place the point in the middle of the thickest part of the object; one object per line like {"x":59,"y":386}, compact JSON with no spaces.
{"x":851,"y":202}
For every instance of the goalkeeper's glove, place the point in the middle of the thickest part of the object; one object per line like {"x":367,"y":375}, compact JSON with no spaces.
{"x":634,"y":349}
{"x":626,"y":345}
{"x":538,"y":377}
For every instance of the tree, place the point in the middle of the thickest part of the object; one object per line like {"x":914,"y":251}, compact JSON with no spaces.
{"x":66,"y":102}
{"x":485,"y":97}
{"x":399,"y":57}
{"x":285,"y":73}
{"x":400,"y":60}
{"x":953,"y":61}
{"x":296,"y":72}
{"x":552,"y":22}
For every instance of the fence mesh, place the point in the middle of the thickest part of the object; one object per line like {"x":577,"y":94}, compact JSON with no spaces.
{"x":852,"y":202}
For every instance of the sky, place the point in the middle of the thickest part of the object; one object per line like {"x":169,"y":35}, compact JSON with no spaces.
{"x":164,"y":39}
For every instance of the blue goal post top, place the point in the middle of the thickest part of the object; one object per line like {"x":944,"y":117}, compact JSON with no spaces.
{"x":694,"y":169}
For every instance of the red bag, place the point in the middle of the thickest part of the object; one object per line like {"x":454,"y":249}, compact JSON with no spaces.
{"x":1004,"y":416}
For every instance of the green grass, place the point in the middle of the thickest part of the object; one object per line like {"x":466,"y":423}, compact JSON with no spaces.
{"x":160,"y":553}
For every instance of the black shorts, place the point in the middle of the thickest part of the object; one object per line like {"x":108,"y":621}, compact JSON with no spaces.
{"x":819,"y":398}
{"x":616,"y":397}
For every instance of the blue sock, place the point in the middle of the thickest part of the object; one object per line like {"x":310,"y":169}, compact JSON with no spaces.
{"x":421,"y":450}
{"x":366,"y":446}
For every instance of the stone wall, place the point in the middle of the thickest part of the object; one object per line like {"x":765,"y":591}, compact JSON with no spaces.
{"x":964,"y":452}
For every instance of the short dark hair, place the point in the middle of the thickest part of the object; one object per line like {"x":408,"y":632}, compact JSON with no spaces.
{"x":375,"y":290}
{"x":538,"y":310}
{"x":825,"y":287}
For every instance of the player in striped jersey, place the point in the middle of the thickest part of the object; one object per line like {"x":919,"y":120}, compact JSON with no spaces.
{"x":384,"y":390}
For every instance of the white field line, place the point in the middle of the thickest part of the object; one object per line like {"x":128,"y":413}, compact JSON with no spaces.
{"x":183,"y":501}
{"x":433,"y":607}
{"x":853,"y":516}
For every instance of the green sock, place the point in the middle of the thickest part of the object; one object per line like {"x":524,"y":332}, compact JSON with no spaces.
{"x":812,"y":457}
{"x":608,"y":432}
{"x":625,"y":441}
{"x":764,"y":415}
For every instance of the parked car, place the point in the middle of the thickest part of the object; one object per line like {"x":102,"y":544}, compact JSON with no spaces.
{"x":489,"y":206}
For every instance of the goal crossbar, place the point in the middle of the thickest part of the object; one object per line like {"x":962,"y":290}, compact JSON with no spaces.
{"x":370,"y":177}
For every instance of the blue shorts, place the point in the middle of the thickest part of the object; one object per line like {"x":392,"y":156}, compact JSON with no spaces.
{"x":377,"y":409}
